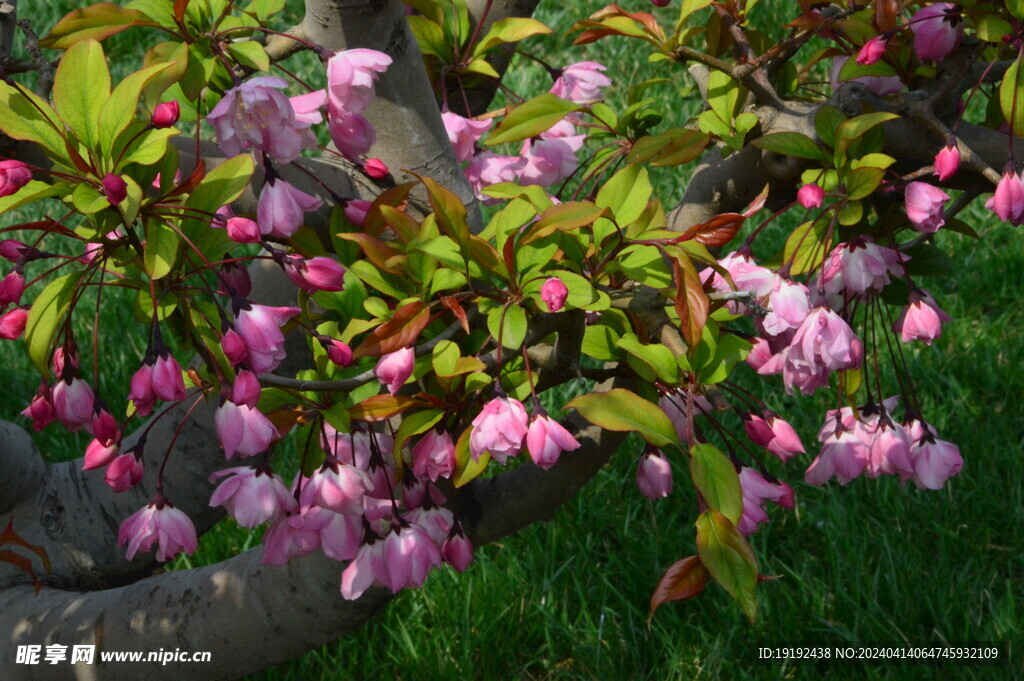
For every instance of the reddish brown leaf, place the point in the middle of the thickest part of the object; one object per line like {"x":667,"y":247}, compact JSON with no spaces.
{"x":460,"y":314}
{"x":284,"y":420}
{"x":685,"y":579}
{"x":508,"y":252}
{"x":692,"y":304}
{"x":381,"y":407}
{"x":179,"y":10}
{"x":405,"y":227}
{"x":193,"y":180}
{"x":9,"y":536}
{"x":718,"y":231}
{"x":395,"y":197}
{"x":400,"y":331}
{"x":757,"y":204}
{"x":886,"y":13}
{"x":22,"y":563}
{"x":376,"y":250}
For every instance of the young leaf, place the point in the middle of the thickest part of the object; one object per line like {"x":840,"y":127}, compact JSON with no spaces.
{"x":728,"y":557}
{"x":81,"y":86}
{"x":97,"y":22}
{"x":44,"y":318}
{"x":715,"y":478}
{"x":685,"y":579}
{"x":625,"y":411}
{"x":531,"y":118}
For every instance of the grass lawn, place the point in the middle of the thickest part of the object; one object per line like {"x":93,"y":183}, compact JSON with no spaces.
{"x":872,"y":561}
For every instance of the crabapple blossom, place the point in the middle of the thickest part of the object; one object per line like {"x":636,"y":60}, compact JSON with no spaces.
{"x":12,"y":323}
{"x":457,"y":550}
{"x":11,"y":288}
{"x":246,"y":389}
{"x":757,"y":490}
{"x":243,"y":430}
{"x":166,"y":114}
{"x":464,"y":133}
{"x":315,"y":274}
{"x":338,"y":351}
{"x":924,"y":205}
{"x":376,"y":168}
{"x":872,"y":51}
{"x":73,"y":402}
{"x":234,"y":348}
{"x":292,"y":535}
{"x":947,"y":161}
{"x":355,"y":211}
{"x":367,"y":567}
{"x":338,"y":487}
{"x":488,"y":168}
{"x":654,"y":475}
{"x":581,"y":82}
{"x":13,"y":176}
{"x":554,"y":294}
{"x":921,"y":319}
{"x":395,"y":368}
{"x":13,"y":250}
{"x":159,"y":523}
{"x":281,"y":208}
{"x":859,"y":266}
{"x":40,"y":409}
{"x":251,"y":496}
{"x":257,"y":115}
{"x":351,"y":75}
{"x":938,"y":29}
{"x":351,"y":133}
{"x":168,"y":384}
{"x":934,"y":460}
{"x":259,"y":327}
{"x":99,"y":453}
{"x":243,"y":230}
{"x":124,"y":472}
{"x":552,"y":157}
{"x":789,"y":303}
{"x":339,"y":534}
{"x":546,"y":439}
{"x":1008,"y":200}
{"x":499,"y":428}
{"x":433,"y":456}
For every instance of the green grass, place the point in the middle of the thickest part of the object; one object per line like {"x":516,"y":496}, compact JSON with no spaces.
{"x":869,"y":561}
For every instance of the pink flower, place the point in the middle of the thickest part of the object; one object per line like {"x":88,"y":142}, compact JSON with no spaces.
{"x":351,"y":76}
{"x":823,"y":343}
{"x":351,"y":133}
{"x":924,"y":205}
{"x":243,"y":230}
{"x":746,"y":275}
{"x":366,"y":568}
{"x":246,"y":389}
{"x":499,"y":428}
{"x":159,"y":522}
{"x":338,"y":351}
{"x":859,"y":266}
{"x":166,"y":114}
{"x":872,"y":51}
{"x":243,"y":430}
{"x":234,"y":348}
{"x":395,"y":368}
{"x":142,"y":395}
{"x":338,"y":487}
{"x":810,"y":195}
{"x":99,"y":453}
{"x":756,"y":490}
{"x":434,"y":520}
{"x":13,"y":176}
{"x":168,"y":384}
{"x":73,"y":401}
{"x":340,"y":535}
{"x":355,"y":211}
{"x":1008,"y":200}
{"x":124,"y":472}
{"x":654,"y":475}
{"x":292,"y":536}
{"x":376,"y":168}
{"x":12,"y":323}
{"x":256,"y":114}
{"x":12,"y":250}
{"x":581,"y":82}
{"x":457,"y":550}
{"x":41,"y":410}
{"x":464,"y":133}
{"x":842,"y":454}
{"x":488,"y":168}
{"x":786,"y":444}
{"x":114,"y":188}
{"x":947,"y":162}
{"x":921,"y":319}
{"x":934,"y":460}
{"x":11,"y":288}
{"x":889,"y":451}
{"x":433,"y":456}
{"x":758,"y":430}
{"x":938,"y":29}
{"x":315,"y":274}
{"x":546,"y":439}
{"x":307,"y":107}
{"x":788,"y":303}
{"x":281,"y":208}
{"x":554,"y":294}
{"x":252,"y":496}
{"x":260,"y":328}
{"x":409,"y":555}
{"x":552,"y":157}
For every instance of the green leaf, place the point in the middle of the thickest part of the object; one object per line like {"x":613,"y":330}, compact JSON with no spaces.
{"x":264,"y":9}
{"x":510,"y":30}
{"x":146,"y":149}
{"x":807,"y":246}
{"x":512,"y":331}
{"x":851,"y":130}
{"x":250,"y":54}
{"x":657,"y":357}
{"x":860,"y":183}
{"x":445,"y":357}
{"x":48,"y":310}
{"x":1011,"y":94}
{"x":1016,"y":8}
{"x":119,"y":110}
{"x":729,"y":559}
{"x":626,"y":193}
{"x":625,"y":411}
{"x":991,"y":28}
{"x":928,"y":260}
{"x":600,"y":342}
{"x":723,"y":95}
{"x":670,"y":148}
{"x":826,"y":121}
{"x":563,"y":216}
{"x":715,"y":478}
{"x":97,"y":22}
{"x":414,"y":424}
{"x":465,"y":468}
{"x":790,"y":144}
{"x":162,"y":244}
{"x":221,"y":186}
{"x":531,"y":118}
{"x":88,"y":200}
{"x":33,"y":191}
{"x":429,"y":36}
{"x":25,"y":116}
{"x":81,"y":86}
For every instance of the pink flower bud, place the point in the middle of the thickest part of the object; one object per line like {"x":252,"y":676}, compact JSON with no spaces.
{"x":376,"y":168}
{"x":12,"y":249}
{"x":872,"y":51}
{"x":234,"y":347}
{"x":351,"y":133}
{"x":337,"y":351}
{"x":554,"y":294}
{"x":142,"y":394}
{"x":234,"y":280}
{"x":921,"y":319}
{"x":243,"y":430}
{"x":756,"y":490}
{"x":12,"y":323}
{"x":73,"y":401}
{"x":654,"y":475}
{"x":243,"y":230}
{"x":355,"y":211}
{"x":547,"y":439}
{"x":395,"y":368}
{"x":98,"y":454}
{"x":124,"y":472}
{"x":661,"y":3}
{"x":158,"y":522}
{"x":281,"y":208}
{"x":1008,"y":200}
{"x":11,"y":288}
{"x":499,"y":428}
{"x":41,"y":410}
{"x":259,"y":327}
{"x":938,"y":29}
{"x":105,"y":427}
{"x":168,"y":384}
{"x":786,"y":444}
{"x":457,"y":551}
{"x":947,"y":162}
{"x":315,"y":274}
{"x":758,"y":430}
{"x":433,"y":456}
{"x":337,"y":487}
{"x":810,"y":195}
{"x":166,"y":114}
{"x":246,"y":389}
{"x":13,"y":176}
{"x":114,"y":188}
{"x":924,"y":205}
